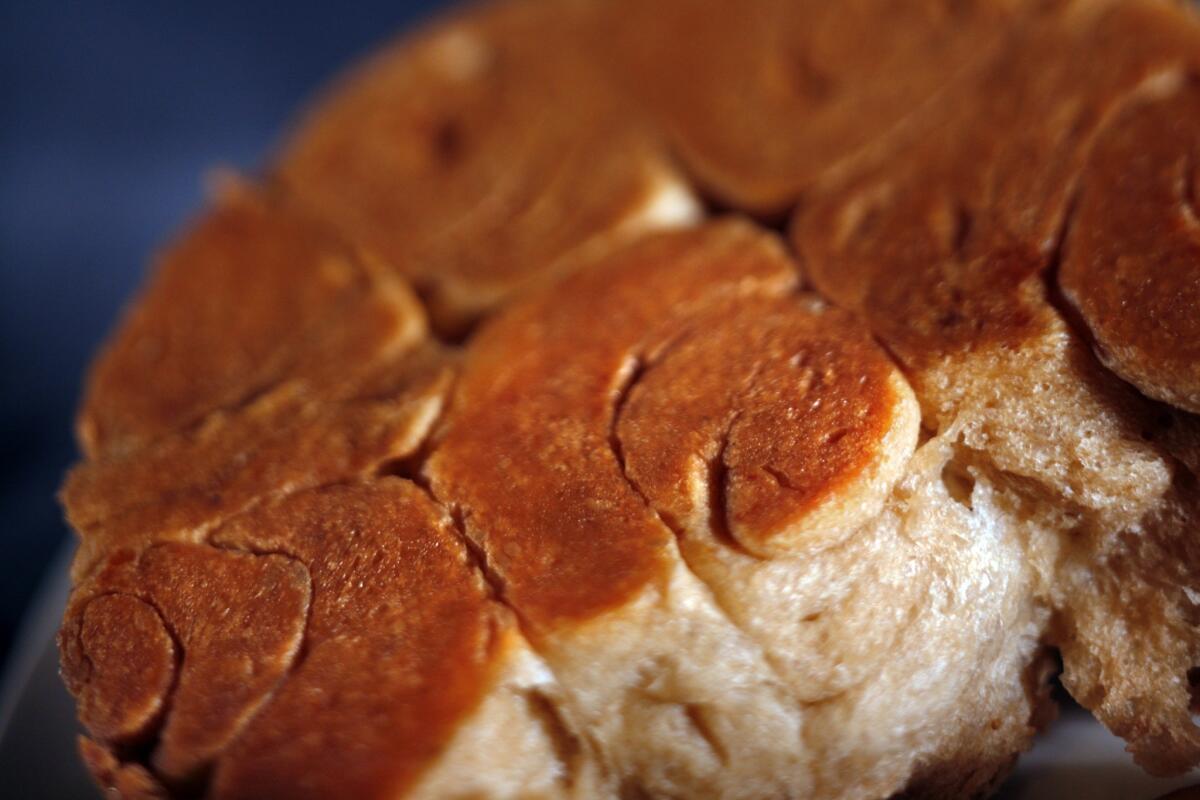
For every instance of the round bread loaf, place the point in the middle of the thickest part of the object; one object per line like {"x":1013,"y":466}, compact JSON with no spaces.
{"x":697,"y":398}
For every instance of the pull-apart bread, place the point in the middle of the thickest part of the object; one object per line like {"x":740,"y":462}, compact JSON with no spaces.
{"x":674,"y":399}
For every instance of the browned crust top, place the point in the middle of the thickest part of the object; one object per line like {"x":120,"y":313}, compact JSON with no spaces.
{"x":250,"y":296}
{"x":471,"y":157}
{"x":399,"y":643}
{"x":556,"y":391}
{"x":1132,"y":259}
{"x":782,"y":402}
{"x":724,"y":77}
{"x":942,"y":240}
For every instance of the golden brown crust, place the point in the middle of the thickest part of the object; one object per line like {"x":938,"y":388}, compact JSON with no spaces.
{"x":471,"y":158}
{"x":251,"y":296}
{"x":941,"y":240}
{"x":790,"y":403}
{"x":119,"y":661}
{"x":182,"y":485}
{"x":398,"y":646}
{"x":528,"y":459}
{"x":232,"y":624}
{"x":1132,"y":258}
{"x":312,"y":385}
{"x":761,"y":98}
{"x":190,"y":646}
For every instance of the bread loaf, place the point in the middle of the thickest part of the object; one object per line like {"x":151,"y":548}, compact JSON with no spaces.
{"x":599,"y":398}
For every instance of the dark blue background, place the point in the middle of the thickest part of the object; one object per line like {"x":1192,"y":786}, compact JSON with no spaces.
{"x":110,"y":115}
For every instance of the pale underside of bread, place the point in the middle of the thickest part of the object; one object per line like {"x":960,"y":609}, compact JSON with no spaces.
{"x":461,"y":458}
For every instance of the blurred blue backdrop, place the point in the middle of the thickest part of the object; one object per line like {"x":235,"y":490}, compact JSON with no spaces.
{"x":111,"y":113}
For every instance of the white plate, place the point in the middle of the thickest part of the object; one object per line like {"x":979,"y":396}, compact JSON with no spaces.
{"x":1078,"y":758}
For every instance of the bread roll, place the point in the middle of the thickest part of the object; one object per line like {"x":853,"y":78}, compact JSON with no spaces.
{"x":474,"y":156}
{"x":470,"y":453}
